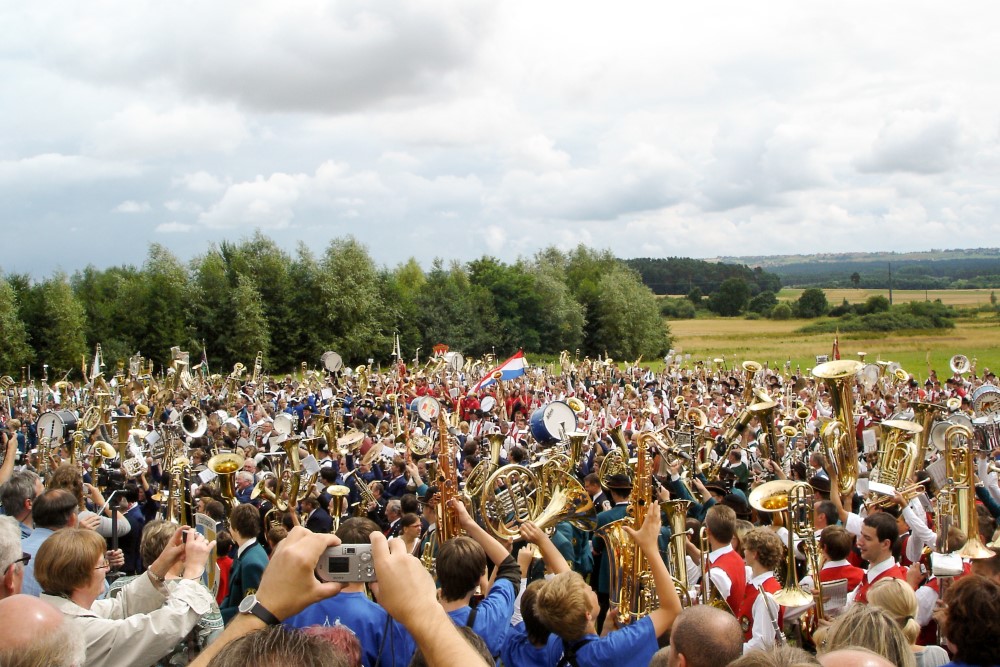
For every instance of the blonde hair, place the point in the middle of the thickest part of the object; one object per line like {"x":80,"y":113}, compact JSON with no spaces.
{"x":897,"y":599}
{"x":562,"y":604}
{"x":66,"y":560}
{"x":869,"y":626}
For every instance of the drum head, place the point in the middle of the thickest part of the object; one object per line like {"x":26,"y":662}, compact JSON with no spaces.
{"x":986,"y":399}
{"x":559,"y":418}
{"x":429,"y":409}
{"x":331,"y":361}
{"x":455,"y":361}
{"x":487,"y":404}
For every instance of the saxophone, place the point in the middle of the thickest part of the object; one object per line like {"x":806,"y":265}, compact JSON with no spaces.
{"x":631,"y":586}
{"x":447,"y":483}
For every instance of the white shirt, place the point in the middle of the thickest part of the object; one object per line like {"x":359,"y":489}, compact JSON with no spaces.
{"x":246,"y":545}
{"x":871,"y":574}
{"x":720,"y":580}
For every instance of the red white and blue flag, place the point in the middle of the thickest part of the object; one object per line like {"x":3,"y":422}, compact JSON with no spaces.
{"x":510,"y":369}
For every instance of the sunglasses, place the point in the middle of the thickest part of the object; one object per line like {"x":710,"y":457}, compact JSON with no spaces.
{"x":23,"y":560}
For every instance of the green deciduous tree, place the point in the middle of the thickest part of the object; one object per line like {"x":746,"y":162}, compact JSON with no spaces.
{"x":812,"y":303}
{"x":731,"y":298}
{"x":58,"y":324}
{"x":14,"y":349}
{"x":628,"y":321}
{"x":353,"y":319}
{"x":247,"y":332}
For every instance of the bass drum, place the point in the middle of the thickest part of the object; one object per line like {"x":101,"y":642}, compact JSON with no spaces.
{"x":552,"y":421}
{"x":428,"y":408}
{"x":986,"y":399}
{"x":56,"y":424}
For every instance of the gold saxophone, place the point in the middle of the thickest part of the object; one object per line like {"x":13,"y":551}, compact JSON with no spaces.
{"x":447,"y":483}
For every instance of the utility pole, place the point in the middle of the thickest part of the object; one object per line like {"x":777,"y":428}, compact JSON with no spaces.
{"x":890,"y":283}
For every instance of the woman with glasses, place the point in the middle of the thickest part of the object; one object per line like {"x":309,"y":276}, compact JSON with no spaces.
{"x":147,"y":619}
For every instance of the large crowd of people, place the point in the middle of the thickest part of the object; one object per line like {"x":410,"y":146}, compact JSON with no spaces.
{"x":588,"y":513}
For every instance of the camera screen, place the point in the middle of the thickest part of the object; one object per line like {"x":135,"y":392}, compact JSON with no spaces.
{"x":339,"y":564}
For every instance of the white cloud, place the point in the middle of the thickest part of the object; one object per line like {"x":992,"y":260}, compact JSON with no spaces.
{"x":173,"y":228}
{"x":138,"y":131}
{"x":53,"y":169}
{"x":261,"y":203}
{"x":131,"y":206}
{"x":200,"y":182}
{"x":915,"y":141}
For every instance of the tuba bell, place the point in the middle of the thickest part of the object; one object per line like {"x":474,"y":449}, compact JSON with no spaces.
{"x":225,"y":466}
{"x":193,"y":422}
{"x":792,"y":499}
{"x":959,"y":364}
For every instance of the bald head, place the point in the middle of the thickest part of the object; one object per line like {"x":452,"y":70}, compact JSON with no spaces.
{"x":703,"y":636}
{"x":853,"y":657}
{"x":33,"y":632}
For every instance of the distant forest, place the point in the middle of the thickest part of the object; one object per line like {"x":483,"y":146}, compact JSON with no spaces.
{"x":681,"y":275}
{"x":965,"y":273}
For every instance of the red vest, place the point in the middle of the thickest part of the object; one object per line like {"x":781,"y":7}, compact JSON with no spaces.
{"x":929,"y":633}
{"x":894,"y":572}
{"x":750,"y":593}
{"x":732,"y":564}
{"x":849,"y":572}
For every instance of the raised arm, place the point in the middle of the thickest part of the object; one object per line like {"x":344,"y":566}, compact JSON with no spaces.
{"x":647,"y":540}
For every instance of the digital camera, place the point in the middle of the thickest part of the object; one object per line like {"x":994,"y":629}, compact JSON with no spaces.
{"x":347,"y":563}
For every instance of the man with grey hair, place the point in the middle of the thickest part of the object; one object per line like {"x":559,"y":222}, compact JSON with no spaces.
{"x":702,"y":636}
{"x":244,"y":486}
{"x":17,"y":496}
{"x":11,"y":559}
{"x":393,"y":513}
{"x":33,"y":632}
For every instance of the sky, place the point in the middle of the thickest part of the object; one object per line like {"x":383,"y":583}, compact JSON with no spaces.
{"x":454,"y":129}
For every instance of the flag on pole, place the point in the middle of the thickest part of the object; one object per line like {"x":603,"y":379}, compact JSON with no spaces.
{"x":510,"y":369}
{"x":204,"y":360}
{"x":836,"y":346}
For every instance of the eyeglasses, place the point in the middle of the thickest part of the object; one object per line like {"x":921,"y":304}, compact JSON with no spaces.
{"x":104,"y":565}
{"x":23,"y":560}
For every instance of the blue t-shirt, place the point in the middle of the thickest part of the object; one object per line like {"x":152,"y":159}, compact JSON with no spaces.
{"x":631,"y":646}
{"x":517,"y":651}
{"x":367,"y":620}
{"x":492,"y":616}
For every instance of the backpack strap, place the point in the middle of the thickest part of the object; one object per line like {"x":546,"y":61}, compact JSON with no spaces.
{"x":568,"y":658}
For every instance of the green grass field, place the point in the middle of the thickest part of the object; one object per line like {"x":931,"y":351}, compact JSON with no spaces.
{"x":773,"y":342}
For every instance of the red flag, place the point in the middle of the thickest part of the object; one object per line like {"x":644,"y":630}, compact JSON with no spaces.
{"x":836,"y":345}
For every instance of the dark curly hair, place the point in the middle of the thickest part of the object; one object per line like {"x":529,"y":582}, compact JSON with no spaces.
{"x":972,"y":623}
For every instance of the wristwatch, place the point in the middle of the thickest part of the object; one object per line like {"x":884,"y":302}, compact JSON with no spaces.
{"x":249,"y":605}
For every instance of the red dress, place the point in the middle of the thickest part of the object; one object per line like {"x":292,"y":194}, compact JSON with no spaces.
{"x":225,"y":566}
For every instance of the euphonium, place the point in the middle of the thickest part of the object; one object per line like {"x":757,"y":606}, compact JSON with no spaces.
{"x":841,"y":443}
{"x":480,"y":474}
{"x":617,"y":460}
{"x":897,"y":453}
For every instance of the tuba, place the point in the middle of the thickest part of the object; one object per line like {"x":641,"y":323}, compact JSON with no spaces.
{"x":617,"y":460}
{"x":791,"y":498}
{"x":193,"y":422}
{"x":838,"y":434}
{"x":897,"y":455}
{"x":225,"y":466}
{"x":925,"y":414}
{"x":676,"y":511}
{"x":959,"y":364}
{"x":631,"y":586}
{"x":751,"y":368}
{"x":960,"y":466}
{"x":338,"y":503}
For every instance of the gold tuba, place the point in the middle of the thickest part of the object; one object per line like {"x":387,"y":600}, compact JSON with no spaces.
{"x":791,"y":498}
{"x":630,"y":585}
{"x":897,"y":453}
{"x":225,"y":466}
{"x":839,"y":438}
{"x":960,"y":466}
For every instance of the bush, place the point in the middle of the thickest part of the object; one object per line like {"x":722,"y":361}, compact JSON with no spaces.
{"x":844,"y":308}
{"x":763,"y":303}
{"x":752,"y":315}
{"x":677,"y":309}
{"x":913,"y":315}
{"x":874,"y":304}
{"x":781,"y":312}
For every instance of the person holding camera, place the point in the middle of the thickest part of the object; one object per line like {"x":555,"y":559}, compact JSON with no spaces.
{"x":147,"y":619}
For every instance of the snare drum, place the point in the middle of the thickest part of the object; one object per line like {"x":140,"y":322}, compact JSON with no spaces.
{"x":986,"y":399}
{"x":552,"y":421}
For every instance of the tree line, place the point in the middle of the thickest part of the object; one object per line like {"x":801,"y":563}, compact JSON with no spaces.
{"x":683,"y":275}
{"x":241,"y":297}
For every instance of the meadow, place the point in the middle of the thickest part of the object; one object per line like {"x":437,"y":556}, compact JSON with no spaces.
{"x":774,"y":342}
{"x":960,"y":298}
